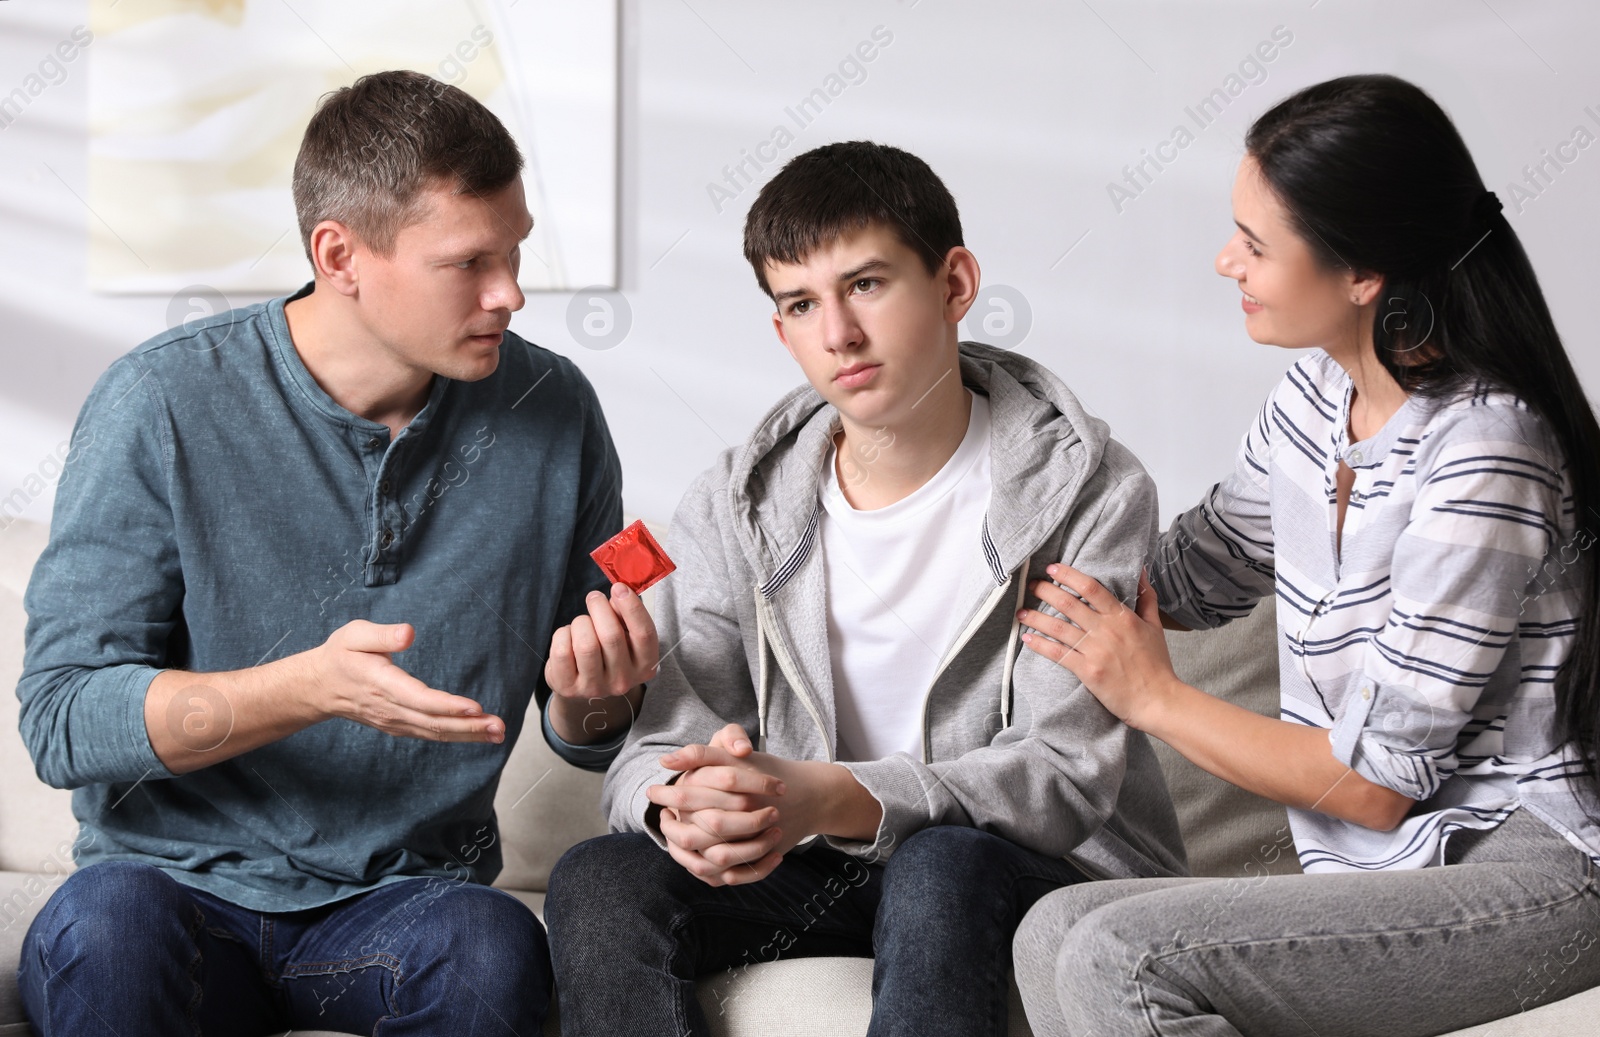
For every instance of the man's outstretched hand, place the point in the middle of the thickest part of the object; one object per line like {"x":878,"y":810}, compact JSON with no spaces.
{"x":195,"y":720}
{"x":355,"y":678}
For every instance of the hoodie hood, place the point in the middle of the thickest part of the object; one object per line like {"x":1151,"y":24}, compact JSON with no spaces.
{"x":1044,"y":447}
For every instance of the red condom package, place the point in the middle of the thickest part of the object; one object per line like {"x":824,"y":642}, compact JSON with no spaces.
{"x":633,"y":557}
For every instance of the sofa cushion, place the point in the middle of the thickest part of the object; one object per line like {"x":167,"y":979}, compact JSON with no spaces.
{"x":24,"y":895}
{"x":1228,"y":832}
{"x":803,"y":997}
{"x":544,"y":806}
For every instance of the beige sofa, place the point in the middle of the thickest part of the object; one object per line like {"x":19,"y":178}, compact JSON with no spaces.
{"x":545,"y":806}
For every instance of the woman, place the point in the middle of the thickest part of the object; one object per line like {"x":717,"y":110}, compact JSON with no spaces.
{"x":1421,"y":493}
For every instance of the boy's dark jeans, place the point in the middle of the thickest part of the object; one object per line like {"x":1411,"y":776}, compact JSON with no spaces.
{"x":631,"y":930}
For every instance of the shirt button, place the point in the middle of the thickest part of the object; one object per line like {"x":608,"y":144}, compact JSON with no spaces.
{"x":374,"y":443}
{"x":387,"y":538}
{"x":1366,"y":693}
{"x":1355,"y":457}
{"x":383,"y":487}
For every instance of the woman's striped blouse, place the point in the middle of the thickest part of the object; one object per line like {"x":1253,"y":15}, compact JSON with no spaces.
{"x":1429,"y":640}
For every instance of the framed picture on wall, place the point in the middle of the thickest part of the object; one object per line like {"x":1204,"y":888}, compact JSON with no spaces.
{"x":197,"y":107}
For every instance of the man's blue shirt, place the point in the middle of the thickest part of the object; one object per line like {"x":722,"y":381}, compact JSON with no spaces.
{"x":219,"y":510}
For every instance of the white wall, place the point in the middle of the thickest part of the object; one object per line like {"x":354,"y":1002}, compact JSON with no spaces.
{"x":1027,"y":110}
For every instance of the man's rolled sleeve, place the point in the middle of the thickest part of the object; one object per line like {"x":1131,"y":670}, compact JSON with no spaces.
{"x":596,"y":757}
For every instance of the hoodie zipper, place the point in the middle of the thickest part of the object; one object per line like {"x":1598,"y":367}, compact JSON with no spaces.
{"x":780,"y":652}
{"x":967,"y":634}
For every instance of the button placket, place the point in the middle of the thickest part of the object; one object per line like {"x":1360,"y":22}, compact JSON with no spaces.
{"x":379,"y":456}
{"x":389,"y":518}
{"x":1338,"y":454}
{"x":1361,"y":488}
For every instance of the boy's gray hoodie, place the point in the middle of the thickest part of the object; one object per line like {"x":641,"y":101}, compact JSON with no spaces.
{"x":1013,"y":744}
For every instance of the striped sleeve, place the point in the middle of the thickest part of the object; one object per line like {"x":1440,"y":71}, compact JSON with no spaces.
{"x":1488,"y":512}
{"x":1216,"y":560}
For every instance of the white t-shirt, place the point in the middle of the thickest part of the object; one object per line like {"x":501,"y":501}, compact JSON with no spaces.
{"x":896,"y":578}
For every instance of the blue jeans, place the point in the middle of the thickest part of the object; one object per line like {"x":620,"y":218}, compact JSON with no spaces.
{"x":124,"y":949}
{"x":631,"y":930}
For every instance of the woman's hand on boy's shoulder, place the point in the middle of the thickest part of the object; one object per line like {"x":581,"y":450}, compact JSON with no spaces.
{"x":1119,"y":653}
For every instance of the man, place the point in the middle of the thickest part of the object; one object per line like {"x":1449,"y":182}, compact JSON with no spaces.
{"x":296,"y":601}
{"x":846,"y":598}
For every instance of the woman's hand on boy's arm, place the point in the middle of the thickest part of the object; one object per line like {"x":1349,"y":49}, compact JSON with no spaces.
{"x":1120,"y":655}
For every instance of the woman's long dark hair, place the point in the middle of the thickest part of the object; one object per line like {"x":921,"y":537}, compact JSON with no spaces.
{"x":1379,"y":181}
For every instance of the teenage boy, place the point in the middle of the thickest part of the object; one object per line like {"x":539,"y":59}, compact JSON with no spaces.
{"x":300,"y":590}
{"x":846,"y":599}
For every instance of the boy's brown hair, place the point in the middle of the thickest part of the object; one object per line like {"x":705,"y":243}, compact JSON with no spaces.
{"x":839,"y":188}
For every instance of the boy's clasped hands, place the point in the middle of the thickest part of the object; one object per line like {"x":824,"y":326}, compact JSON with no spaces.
{"x":721,"y":815}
